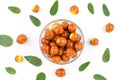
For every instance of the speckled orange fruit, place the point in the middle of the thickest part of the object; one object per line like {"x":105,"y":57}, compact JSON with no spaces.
{"x":74,"y":9}
{"x":18,"y":58}
{"x":94,"y":41}
{"x":60,"y":72}
{"x":35,"y":8}
{"x":109,"y":27}
{"x":22,"y":38}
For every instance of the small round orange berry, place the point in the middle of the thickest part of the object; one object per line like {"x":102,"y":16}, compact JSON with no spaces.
{"x":18,"y":58}
{"x":35,"y":8}
{"x":21,"y":39}
{"x":109,"y":27}
{"x":74,"y":9}
{"x":94,"y":41}
{"x":60,"y":72}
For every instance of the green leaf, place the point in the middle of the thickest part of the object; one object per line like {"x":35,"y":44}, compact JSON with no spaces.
{"x":33,"y":60}
{"x":91,"y":8}
{"x":10,"y":70}
{"x":54,"y":8}
{"x":84,"y":66}
{"x":41,"y":76}
{"x":14,"y":9}
{"x":99,"y":77}
{"x":6,"y":40}
{"x":106,"y":55}
{"x":105,"y":10}
{"x":35,"y":20}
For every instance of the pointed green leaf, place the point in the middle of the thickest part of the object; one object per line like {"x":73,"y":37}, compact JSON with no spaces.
{"x":54,"y":8}
{"x":6,"y":40}
{"x":10,"y":70}
{"x":41,"y":76}
{"x":14,"y":9}
{"x":35,"y":20}
{"x":91,"y":8}
{"x":34,"y":60}
{"x":105,"y":10}
{"x":99,"y":77}
{"x":106,"y":55}
{"x":84,"y":66}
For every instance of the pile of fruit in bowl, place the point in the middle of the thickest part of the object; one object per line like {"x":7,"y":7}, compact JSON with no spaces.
{"x":61,"y":41}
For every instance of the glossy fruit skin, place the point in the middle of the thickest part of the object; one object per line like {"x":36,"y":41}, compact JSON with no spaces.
{"x":65,"y":24}
{"x":35,"y":8}
{"x":54,"y":50}
{"x":65,"y":34}
{"x":61,"y":51}
{"x":72,"y":28}
{"x":109,"y":27}
{"x":18,"y":58}
{"x":56,"y":59}
{"x":52,"y":44}
{"x":61,"y":41}
{"x":49,"y":34}
{"x":65,"y":58}
{"x":74,"y":9}
{"x":94,"y":41}
{"x":55,"y":38}
{"x":54,"y":25}
{"x":70,"y":44}
{"x":78,"y":46}
{"x":45,"y":48}
{"x":60,"y":72}
{"x":70,"y":52}
{"x":22,"y":38}
{"x":58,"y":29}
{"x":44,"y":41}
{"x":74,"y":37}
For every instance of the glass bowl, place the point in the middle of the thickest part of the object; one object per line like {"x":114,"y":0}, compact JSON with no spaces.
{"x":48,"y":56}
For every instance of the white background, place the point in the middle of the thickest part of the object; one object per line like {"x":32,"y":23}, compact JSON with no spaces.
{"x":91,"y":25}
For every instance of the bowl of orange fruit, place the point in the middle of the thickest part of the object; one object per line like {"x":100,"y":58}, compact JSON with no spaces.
{"x":61,"y":41}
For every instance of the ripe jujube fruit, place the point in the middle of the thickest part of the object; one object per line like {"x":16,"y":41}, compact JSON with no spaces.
{"x":72,"y":28}
{"x":65,"y":34}
{"x":70,"y":44}
{"x":94,"y":41}
{"x":52,"y":43}
{"x":49,"y":34}
{"x":109,"y":27}
{"x":56,"y":59}
{"x":75,"y":37}
{"x":35,"y":8}
{"x":22,"y":38}
{"x":74,"y":9}
{"x":44,"y":41}
{"x":70,"y":52}
{"x":78,"y":45}
{"x":58,"y":29}
{"x":65,"y":58}
{"x":61,"y":51}
{"x":18,"y":58}
{"x":65,"y":24}
{"x":45,"y":48}
{"x":54,"y":50}
{"x":61,"y":41}
{"x":60,"y":72}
